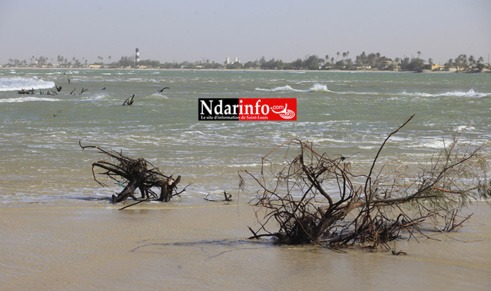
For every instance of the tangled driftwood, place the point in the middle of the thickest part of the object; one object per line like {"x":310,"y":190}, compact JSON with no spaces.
{"x":24,"y":91}
{"x":136,"y":174}
{"x":313,"y":198}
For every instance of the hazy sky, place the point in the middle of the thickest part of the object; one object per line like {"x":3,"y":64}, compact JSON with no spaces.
{"x":214,"y":29}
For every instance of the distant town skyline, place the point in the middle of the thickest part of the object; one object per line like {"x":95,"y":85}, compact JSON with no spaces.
{"x":192,"y":30}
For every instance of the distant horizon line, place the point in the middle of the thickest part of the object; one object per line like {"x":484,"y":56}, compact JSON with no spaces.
{"x":104,"y":60}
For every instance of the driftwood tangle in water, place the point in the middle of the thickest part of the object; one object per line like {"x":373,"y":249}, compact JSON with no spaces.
{"x":316,"y":199}
{"x":136,"y":174}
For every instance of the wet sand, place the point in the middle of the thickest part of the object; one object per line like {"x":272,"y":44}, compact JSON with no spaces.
{"x":176,"y":247}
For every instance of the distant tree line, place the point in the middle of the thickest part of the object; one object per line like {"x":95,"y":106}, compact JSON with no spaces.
{"x":339,"y":61}
{"x":467,"y":64}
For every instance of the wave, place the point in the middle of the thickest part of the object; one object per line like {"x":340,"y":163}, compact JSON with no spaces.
{"x":19,"y":83}
{"x":470,"y":94}
{"x":285,"y":88}
{"x":429,"y":143}
{"x":95,"y":97}
{"x":159,"y":96}
{"x":319,"y":88}
{"x":288,"y":88}
{"x":462,"y":128}
{"x":27,"y":99}
{"x":464,"y":94}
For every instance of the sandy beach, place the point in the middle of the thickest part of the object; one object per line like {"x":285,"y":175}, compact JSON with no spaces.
{"x":176,"y":247}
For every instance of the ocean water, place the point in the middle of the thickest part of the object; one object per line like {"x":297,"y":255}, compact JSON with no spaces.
{"x":342,"y":113}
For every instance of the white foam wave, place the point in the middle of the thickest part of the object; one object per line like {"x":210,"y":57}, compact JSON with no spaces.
{"x":27,"y":99}
{"x":464,"y":94}
{"x":462,"y":128}
{"x":244,"y":165}
{"x":326,"y":140}
{"x":288,"y":88}
{"x":285,"y":88}
{"x":95,"y":97}
{"x":358,"y":93}
{"x":469,"y":94}
{"x":319,"y":88}
{"x":429,"y":143}
{"x":19,"y":83}
{"x":159,"y":96}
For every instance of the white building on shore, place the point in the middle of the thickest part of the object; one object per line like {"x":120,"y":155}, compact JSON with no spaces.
{"x":228,"y":62}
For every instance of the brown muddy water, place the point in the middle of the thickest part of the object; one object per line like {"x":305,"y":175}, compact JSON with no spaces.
{"x":176,"y":247}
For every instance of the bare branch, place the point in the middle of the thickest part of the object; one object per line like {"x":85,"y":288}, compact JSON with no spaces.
{"x":314,"y":198}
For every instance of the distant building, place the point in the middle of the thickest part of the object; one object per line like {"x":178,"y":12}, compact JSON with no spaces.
{"x":95,"y":66}
{"x":437,"y":67}
{"x":390,"y":65}
{"x":229,"y":62}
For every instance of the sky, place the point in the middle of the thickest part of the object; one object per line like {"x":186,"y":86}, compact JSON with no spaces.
{"x":195,"y":30}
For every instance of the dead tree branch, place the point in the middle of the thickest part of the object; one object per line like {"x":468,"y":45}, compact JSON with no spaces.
{"x":314,"y":198}
{"x":135,"y":174}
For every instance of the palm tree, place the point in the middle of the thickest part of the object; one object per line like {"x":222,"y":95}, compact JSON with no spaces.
{"x":449,"y":64}
{"x":472,"y":61}
{"x":419,"y":54}
{"x":480,"y":60}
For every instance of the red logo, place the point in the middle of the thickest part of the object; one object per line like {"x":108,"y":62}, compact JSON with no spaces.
{"x":267,"y":109}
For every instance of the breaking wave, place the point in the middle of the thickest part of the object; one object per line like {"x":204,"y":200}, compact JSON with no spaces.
{"x":470,"y":94}
{"x":288,"y":88}
{"x":319,"y":88}
{"x":158,"y":96}
{"x":27,"y":99}
{"x":19,"y":83}
{"x":462,"y":94}
{"x":95,"y":97}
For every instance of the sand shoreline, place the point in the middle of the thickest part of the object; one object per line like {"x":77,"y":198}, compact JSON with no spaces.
{"x":171,"y":246}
